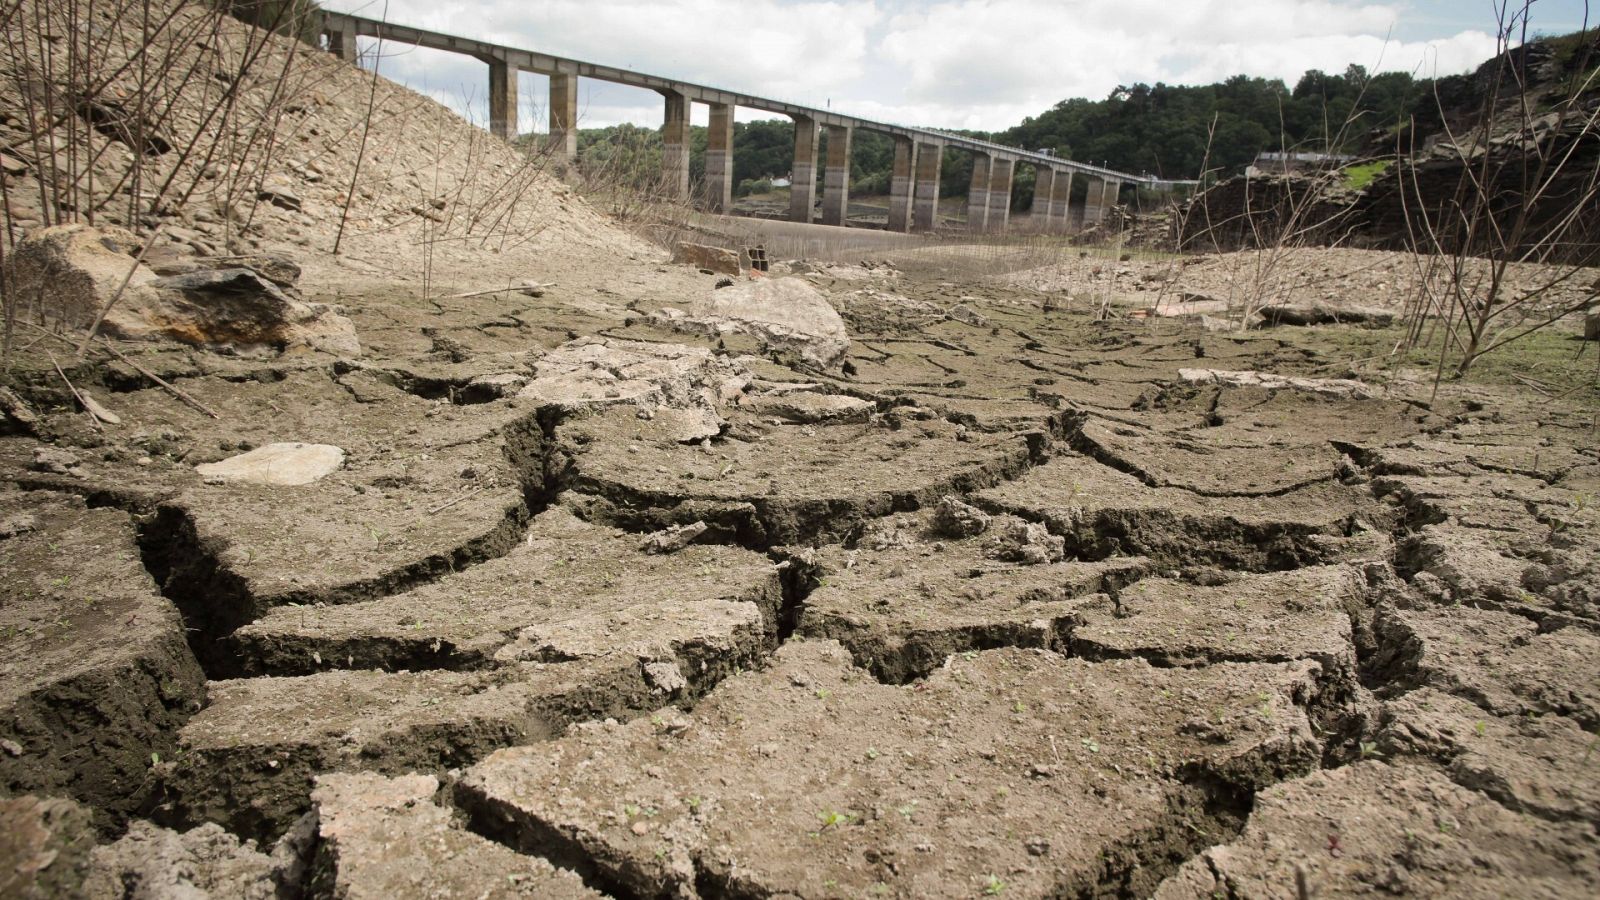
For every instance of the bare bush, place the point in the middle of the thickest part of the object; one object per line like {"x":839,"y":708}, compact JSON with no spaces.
{"x":1527,"y":190}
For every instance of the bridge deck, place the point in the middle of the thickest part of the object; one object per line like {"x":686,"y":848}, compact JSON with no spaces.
{"x":547,"y":64}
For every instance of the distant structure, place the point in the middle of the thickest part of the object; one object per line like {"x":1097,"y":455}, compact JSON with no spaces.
{"x":1277,"y":163}
{"x":918,"y":152}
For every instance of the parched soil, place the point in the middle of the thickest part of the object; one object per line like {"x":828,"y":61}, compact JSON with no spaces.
{"x":1010,"y":603}
{"x":1011,"y":608}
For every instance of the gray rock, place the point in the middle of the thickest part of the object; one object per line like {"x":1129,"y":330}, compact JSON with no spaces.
{"x":76,"y":271}
{"x":717,"y":259}
{"x":786,"y":314}
{"x":953,"y":518}
{"x":277,"y":464}
{"x":673,"y":539}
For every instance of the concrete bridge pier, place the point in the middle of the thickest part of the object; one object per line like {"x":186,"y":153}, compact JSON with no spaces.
{"x":341,"y":39}
{"x":564,"y":114}
{"x":502,"y":98}
{"x":978,"y":192}
{"x":719,"y":159}
{"x":836,"y":178}
{"x":1061,"y":201}
{"x":925,"y":200}
{"x":1093,"y":201}
{"x":1044,"y":185}
{"x":803,"y":180}
{"x":675,"y":144}
{"x":902,"y":184}
{"x":1000,"y":173}
{"x":1109,"y":198}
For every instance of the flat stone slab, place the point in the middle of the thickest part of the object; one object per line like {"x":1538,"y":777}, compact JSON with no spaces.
{"x":1104,"y":512}
{"x":569,"y":590}
{"x":292,"y":463}
{"x":382,"y":838}
{"x":1501,"y":662}
{"x":248,"y":759}
{"x":95,"y":671}
{"x":1533,"y":764}
{"x":903,"y":607}
{"x":785,"y":484}
{"x":811,"y":778}
{"x":1374,"y":829}
{"x":1271,"y":617}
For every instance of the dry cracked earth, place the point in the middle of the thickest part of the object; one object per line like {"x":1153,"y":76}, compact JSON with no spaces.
{"x":1006,"y":607}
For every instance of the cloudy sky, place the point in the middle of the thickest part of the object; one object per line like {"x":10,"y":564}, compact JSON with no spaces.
{"x":942,"y":63}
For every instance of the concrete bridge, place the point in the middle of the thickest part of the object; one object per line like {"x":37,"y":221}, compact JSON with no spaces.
{"x":918,"y":152}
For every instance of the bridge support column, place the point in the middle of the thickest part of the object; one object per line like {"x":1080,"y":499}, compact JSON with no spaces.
{"x":1061,"y":202}
{"x":1093,"y":200}
{"x":925,"y":204}
{"x":564,"y":115}
{"x":719,"y":159}
{"x":1000,"y":172}
{"x":1044,"y":185}
{"x":342,"y":40}
{"x":902,"y":184}
{"x":502,"y":98}
{"x":1109,"y":198}
{"x":978,"y":192}
{"x":836,"y":178}
{"x":675,"y":144}
{"x":803,"y":180}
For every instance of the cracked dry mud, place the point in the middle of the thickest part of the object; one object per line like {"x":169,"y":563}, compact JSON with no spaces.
{"x":1011,"y":609}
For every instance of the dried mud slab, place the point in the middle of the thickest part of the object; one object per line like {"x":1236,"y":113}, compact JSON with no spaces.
{"x":1501,"y":540}
{"x":902,"y":609}
{"x":44,"y":847}
{"x":426,"y":488}
{"x":1273,"y":617}
{"x":1104,"y":512}
{"x":95,"y":671}
{"x":248,"y":759}
{"x":811,"y":778}
{"x":1533,"y":764}
{"x":382,"y":838}
{"x":789,"y":485}
{"x":1373,"y":828}
{"x":569,"y":590}
{"x":151,"y":861}
{"x":1202,"y":465}
{"x":1501,"y":662}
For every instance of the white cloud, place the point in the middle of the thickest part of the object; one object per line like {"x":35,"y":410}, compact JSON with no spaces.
{"x":951,"y":63}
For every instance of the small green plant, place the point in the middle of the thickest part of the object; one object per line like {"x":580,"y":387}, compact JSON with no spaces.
{"x":1481,"y":727}
{"x":831,"y":819}
{"x":1369,"y":750}
{"x":993,"y":886}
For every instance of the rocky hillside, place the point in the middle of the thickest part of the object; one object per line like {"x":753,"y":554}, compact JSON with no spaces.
{"x":234,"y":140}
{"x":1527,"y":157}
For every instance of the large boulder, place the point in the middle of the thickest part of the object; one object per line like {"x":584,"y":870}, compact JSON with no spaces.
{"x":715,"y":259}
{"x":682,"y":389}
{"x":70,"y":273}
{"x":786,"y":314}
